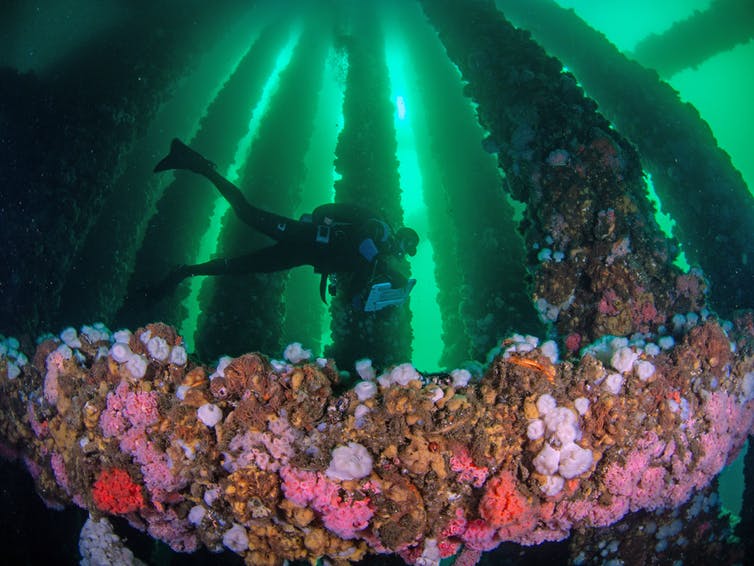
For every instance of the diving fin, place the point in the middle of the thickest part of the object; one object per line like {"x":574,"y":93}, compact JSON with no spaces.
{"x":182,"y":156}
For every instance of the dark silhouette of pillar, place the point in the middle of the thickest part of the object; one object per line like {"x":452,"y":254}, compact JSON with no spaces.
{"x":688,"y":43}
{"x":695,"y":179}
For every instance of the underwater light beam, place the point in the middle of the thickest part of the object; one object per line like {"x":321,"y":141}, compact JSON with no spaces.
{"x":427,"y":346}
{"x":251,"y":28}
{"x":319,"y":183}
{"x":665,"y":221}
{"x":400,"y":104}
{"x":209,"y":241}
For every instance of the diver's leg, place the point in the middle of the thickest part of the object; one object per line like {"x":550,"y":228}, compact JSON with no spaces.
{"x":273,"y":225}
{"x":273,"y":258}
{"x":269,"y":223}
{"x":276,"y":226}
{"x":183,"y":157}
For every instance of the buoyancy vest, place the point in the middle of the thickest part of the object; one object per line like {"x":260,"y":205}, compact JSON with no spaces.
{"x":335,"y":221}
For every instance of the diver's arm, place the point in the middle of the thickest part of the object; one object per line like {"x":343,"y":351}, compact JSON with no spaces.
{"x":374,"y":239}
{"x":377,"y":252}
{"x":385,"y":265}
{"x":240,"y":265}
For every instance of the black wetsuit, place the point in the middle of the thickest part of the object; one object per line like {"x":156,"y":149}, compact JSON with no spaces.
{"x":336,"y":238}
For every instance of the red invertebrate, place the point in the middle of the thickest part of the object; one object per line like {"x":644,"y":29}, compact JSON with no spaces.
{"x":115,"y":492}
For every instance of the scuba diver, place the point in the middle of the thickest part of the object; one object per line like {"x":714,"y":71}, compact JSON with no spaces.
{"x":335,"y":238}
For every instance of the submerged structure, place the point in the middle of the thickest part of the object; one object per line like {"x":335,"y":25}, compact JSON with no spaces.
{"x":634,"y":399}
{"x":258,"y":456}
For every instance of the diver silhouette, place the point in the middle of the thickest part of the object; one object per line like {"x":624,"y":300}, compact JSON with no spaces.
{"x":336,"y":238}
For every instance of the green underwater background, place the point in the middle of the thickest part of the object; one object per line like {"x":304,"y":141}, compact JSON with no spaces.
{"x":92,"y":92}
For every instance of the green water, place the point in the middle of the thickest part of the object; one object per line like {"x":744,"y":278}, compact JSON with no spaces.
{"x":722,"y":91}
{"x":44,"y":33}
{"x":209,"y":242}
{"x":721,"y":88}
